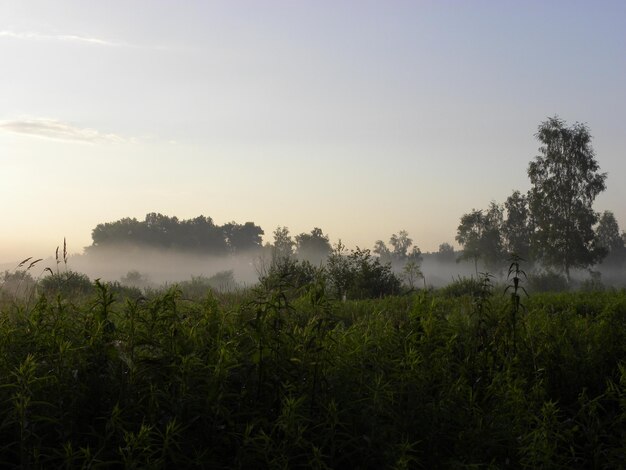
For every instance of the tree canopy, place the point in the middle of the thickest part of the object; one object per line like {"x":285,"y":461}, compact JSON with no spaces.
{"x":553,"y":223}
{"x":609,"y":239}
{"x":479,"y":234}
{"x":314,"y":246}
{"x":565,"y":181}
{"x":445,"y":253}
{"x":283,"y":243}
{"x":516,"y":227}
{"x":199,"y":234}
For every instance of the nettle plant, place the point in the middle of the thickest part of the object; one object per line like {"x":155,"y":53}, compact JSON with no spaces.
{"x":515,"y":275}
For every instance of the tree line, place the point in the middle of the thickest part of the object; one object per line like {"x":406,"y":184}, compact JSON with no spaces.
{"x":203,"y":236}
{"x":554,"y":223}
{"x":199,"y":234}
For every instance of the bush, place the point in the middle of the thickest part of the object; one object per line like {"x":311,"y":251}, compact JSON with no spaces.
{"x":289,"y":273}
{"x":66,"y":283}
{"x":359,"y":275}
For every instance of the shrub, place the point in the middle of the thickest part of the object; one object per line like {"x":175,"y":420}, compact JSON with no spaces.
{"x":359,"y":275}
{"x":289,"y":273}
{"x":66,"y":283}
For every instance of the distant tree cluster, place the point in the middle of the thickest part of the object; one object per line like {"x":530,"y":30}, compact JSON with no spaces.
{"x":554,"y":224}
{"x":313,"y":247}
{"x":403,"y":257}
{"x":200,"y":234}
{"x":445,"y":253}
{"x":400,"y":251}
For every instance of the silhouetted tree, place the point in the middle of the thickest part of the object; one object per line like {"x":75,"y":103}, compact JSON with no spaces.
{"x":415,"y":256}
{"x":200,"y":234}
{"x":517,"y":228}
{"x":565,"y":181}
{"x":160,"y":230}
{"x":203,"y":235}
{"x":399,"y":256}
{"x":123,"y":231}
{"x":313,"y":247}
{"x":401,"y":244}
{"x":445,"y":254}
{"x":382,"y":251}
{"x":609,"y":238}
{"x":411,"y":273}
{"x":283,"y":243}
{"x":479,"y":234}
{"x":243,"y":238}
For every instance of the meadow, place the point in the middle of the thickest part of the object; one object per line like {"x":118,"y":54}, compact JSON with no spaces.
{"x":285,"y":376}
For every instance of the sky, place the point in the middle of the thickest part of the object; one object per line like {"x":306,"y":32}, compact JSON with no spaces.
{"x":362,"y":117}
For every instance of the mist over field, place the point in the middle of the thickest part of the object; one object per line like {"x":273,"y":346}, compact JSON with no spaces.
{"x":148,"y":267}
{"x":330,"y":234}
{"x":152,"y":267}
{"x":167,"y":267}
{"x":163,"y":266}
{"x":158,"y":266}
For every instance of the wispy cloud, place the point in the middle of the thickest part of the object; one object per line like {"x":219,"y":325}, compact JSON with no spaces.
{"x":35,"y":36}
{"x":58,"y":130}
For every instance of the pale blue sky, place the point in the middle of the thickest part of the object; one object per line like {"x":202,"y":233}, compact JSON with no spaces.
{"x":360,"y":117}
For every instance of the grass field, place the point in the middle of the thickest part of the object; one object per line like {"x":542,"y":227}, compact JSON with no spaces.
{"x":275,"y":377}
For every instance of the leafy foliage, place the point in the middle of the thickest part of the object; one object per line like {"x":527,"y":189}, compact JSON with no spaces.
{"x":289,"y":273}
{"x":479,"y":234}
{"x":67,"y":283}
{"x":445,"y":253}
{"x":200,"y":234}
{"x":400,"y":244}
{"x":411,"y":273}
{"x":609,"y":239}
{"x":517,"y":228}
{"x":565,"y":182}
{"x":297,"y":380}
{"x":242,"y":238}
{"x":359,"y":275}
{"x":283,"y":243}
{"x":313,"y":247}
{"x":551,"y":227}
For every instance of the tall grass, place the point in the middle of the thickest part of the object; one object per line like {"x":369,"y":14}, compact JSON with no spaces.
{"x":283,"y":376}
